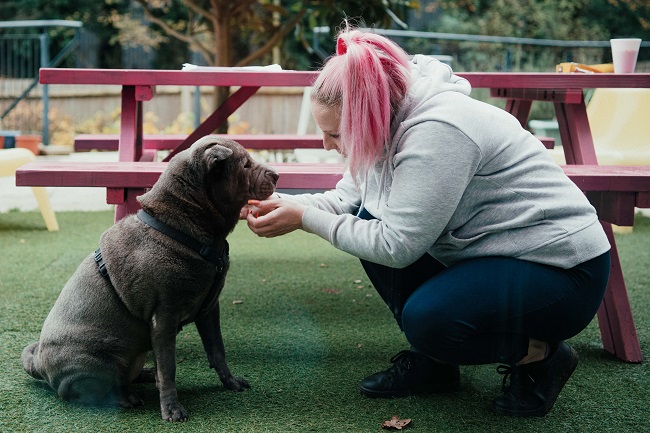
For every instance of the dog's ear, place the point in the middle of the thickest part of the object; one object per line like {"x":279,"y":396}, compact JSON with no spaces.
{"x":216,"y":153}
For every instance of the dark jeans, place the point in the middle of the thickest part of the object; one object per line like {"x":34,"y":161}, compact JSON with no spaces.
{"x":484,"y":310}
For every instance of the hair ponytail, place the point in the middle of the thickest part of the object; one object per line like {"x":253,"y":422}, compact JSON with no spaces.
{"x":366,"y":80}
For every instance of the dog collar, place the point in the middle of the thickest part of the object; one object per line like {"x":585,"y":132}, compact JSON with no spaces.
{"x":211,"y":253}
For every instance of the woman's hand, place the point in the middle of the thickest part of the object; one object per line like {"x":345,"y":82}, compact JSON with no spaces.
{"x":251,"y":208}
{"x":274,"y":216}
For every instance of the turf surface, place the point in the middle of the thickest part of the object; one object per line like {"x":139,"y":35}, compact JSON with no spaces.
{"x":303,"y":325}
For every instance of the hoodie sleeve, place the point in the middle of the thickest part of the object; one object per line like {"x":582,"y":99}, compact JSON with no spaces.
{"x":432,"y":168}
{"x":345,"y":199}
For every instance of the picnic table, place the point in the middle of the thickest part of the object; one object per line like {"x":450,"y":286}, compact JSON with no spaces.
{"x":616,"y":199}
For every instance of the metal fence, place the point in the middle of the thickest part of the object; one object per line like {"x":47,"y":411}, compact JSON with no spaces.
{"x":24,"y":48}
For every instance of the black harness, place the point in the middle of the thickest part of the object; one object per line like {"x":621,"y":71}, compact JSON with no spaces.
{"x":209,"y":252}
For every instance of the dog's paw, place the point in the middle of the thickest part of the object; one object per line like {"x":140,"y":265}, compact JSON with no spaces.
{"x":173,"y":412}
{"x":130,"y":401}
{"x":236,"y":384}
{"x":147,"y":375}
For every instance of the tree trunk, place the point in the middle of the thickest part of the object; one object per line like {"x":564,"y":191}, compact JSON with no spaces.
{"x":222,"y":57}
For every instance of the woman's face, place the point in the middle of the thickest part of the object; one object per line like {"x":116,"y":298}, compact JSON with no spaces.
{"x":328,"y":120}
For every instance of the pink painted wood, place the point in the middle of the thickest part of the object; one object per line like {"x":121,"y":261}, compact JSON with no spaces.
{"x":488,"y":80}
{"x":615,"y":316}
{"x":86,"y":142}
{"x":141,"y":175}
{"x":630,"y":182}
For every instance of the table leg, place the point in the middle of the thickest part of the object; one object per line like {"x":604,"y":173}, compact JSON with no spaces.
{"x":520,"y":108}
{"x":130,"y":146}
{"x":615,"y":315}
{"x":575,"y":133}
{"x":130,"y":205}
{"x":615,"y":320}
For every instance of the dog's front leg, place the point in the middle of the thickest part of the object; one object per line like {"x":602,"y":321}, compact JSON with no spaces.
{"x":163,"y":341}
{"x":209,"y":327}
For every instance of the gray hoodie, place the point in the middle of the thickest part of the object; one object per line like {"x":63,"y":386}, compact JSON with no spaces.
{"x":460,"y":179}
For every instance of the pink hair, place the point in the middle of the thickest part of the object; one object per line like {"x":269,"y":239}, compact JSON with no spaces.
{"x":366,"y":80}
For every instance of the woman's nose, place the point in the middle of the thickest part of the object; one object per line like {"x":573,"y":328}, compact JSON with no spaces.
{"x":328,"y":142}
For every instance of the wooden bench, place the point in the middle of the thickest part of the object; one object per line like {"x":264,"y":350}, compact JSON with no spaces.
{"x":614,"y":191}
{"x":152,"y":143}
{"x":142,"y":175}
{"x":156,"y":142}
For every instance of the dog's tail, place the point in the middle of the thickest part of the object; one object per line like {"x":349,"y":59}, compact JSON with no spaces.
{"x":29,"y":357}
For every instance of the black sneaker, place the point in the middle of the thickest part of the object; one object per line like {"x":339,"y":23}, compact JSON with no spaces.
{"x":534,"y":387}
{"x":412,"y":373}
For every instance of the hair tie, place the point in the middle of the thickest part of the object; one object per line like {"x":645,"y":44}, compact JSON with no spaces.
{"x":341,"y":47}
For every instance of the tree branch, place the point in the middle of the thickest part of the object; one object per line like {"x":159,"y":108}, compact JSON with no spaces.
{"x":277,"y":37}
{"x":171,"y":32}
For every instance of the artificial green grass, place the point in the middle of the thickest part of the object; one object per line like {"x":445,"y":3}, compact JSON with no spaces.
{"x":303,"y":325}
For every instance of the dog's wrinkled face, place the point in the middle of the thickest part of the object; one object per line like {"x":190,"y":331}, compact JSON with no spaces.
{"x":233,"y":175}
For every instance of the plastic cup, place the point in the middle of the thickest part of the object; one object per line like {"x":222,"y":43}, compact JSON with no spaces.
{"x":624,"y":54}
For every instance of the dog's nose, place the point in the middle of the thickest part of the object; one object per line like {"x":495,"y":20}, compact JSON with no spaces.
{"x":273,"y":175}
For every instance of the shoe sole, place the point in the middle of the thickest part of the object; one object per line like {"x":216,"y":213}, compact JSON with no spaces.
{"x":562,"y":380}
{"x":440,"y":389}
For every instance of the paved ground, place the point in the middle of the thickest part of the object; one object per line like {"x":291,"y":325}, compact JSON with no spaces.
{"x":62,"y":199}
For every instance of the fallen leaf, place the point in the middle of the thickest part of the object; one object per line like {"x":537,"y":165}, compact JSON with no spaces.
{"x":331,"y":291}
{"x":359,"y":346}
{"x":357,"y":281}
{"x":237,"y":301}
{"x":396,"y":423}
{"x":323,"y":265}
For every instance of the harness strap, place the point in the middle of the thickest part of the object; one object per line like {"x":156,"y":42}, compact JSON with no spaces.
{"x":100,"y":262}
{"x":211,"y":253}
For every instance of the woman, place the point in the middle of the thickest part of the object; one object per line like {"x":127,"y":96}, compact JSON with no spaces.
{"x":482,"y":248}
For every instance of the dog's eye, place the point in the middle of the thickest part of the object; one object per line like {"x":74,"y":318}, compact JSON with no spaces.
{"x":247,"y":163}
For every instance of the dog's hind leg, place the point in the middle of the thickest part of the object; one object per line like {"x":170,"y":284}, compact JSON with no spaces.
{"x":96,"y":391}
{"x":28,"y":359}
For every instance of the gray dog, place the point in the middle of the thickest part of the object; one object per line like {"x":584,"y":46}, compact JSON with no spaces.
{"x":153,"y":273}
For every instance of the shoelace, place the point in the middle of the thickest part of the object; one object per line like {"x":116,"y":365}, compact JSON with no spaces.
{"x":401,"y":362}
{"x":506,"y":371}
{"x":516,"y":376}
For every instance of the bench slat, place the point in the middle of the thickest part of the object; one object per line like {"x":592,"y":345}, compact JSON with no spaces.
{"x":325,"y":175}
{"x":88,"y":142}
{"x":145,"y":174}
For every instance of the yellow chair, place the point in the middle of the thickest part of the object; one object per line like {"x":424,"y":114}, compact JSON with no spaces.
{"x":10,"y":160}
{"x":620,"y":125}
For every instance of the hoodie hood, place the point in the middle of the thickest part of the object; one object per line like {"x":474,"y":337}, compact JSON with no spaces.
{"x":429,"y":78}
